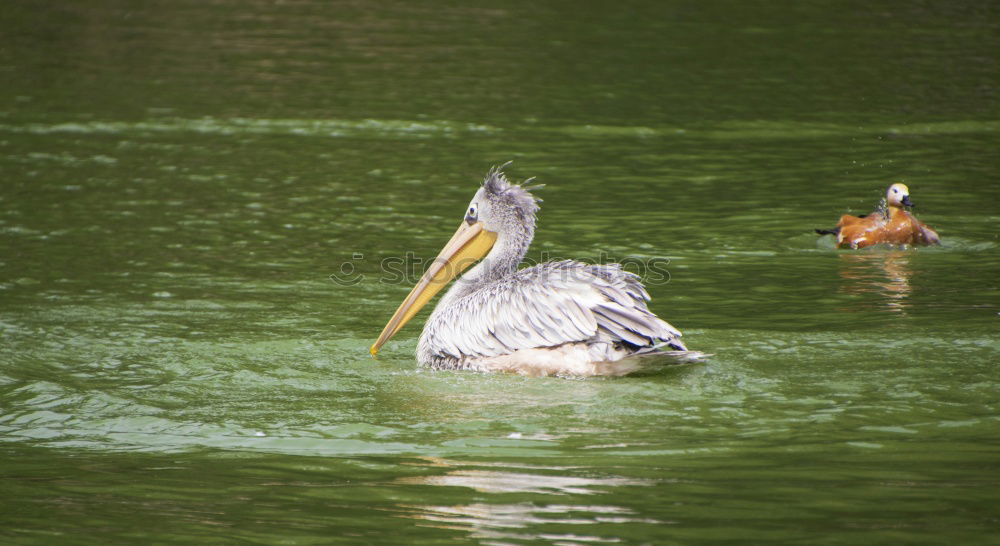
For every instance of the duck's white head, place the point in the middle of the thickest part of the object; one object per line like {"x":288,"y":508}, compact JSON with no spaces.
{"x":898,"y":195}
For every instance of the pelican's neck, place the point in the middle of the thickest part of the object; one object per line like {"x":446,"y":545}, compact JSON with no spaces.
{"x":502,"y":260}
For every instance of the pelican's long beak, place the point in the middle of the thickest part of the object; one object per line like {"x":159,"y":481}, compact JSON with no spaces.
{"x":467,"y":246}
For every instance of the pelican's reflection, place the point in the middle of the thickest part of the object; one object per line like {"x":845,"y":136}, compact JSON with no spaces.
{"x":522,"y":520}
{"x":492,"y":481}
{"x":884,"y":274}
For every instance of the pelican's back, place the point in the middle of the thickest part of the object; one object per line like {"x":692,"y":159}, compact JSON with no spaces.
{"x":545,"y":307}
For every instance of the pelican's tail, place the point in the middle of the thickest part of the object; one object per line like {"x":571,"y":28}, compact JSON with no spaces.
{"x":648,"y":360}
{"x":834,"y":231}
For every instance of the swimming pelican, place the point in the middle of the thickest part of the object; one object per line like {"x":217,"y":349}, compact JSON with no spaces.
{"x":555,"y":318}
{"x":889,"y":224}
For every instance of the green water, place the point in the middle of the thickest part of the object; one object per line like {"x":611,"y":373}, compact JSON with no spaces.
{"x":180,"y":180}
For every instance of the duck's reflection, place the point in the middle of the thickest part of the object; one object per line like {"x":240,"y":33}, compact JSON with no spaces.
{"x":883,"y":274}
{"x":523,"y":520}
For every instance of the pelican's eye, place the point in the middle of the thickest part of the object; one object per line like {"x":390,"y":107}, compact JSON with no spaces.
{"x":895,"y":190}
{"x":472,"y":216}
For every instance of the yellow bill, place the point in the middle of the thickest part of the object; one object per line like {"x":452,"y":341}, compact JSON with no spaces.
{"x":467,"y":246}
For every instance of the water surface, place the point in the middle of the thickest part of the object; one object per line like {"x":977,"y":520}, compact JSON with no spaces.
{"x":183,"y":184}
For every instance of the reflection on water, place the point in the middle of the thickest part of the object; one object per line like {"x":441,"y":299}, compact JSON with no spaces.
{"x":497,"y":521}
{"x":883,"y":274}
{"x":491,"y":481}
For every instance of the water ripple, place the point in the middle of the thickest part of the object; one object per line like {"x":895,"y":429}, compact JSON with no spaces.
{"x":396,"y":128}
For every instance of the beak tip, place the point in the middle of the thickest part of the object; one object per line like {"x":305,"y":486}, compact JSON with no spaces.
{"x":373,"y":350}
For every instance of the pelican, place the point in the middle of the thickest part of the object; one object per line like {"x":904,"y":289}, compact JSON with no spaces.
{"x":556,"y":318}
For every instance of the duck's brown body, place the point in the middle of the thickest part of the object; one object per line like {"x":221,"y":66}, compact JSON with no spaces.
{"x":896,"y":227}
{"x":892,"y":224}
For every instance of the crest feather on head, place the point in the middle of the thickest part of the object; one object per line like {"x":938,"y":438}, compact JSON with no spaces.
{"x":517,"y":195}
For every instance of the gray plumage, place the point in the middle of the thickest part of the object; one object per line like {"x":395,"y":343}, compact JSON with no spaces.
{"x":496,"y":317}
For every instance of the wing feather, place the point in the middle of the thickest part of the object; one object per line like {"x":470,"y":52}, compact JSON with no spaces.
{"x":548,"y":305}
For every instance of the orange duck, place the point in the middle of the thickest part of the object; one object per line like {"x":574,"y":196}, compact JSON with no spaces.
{"x":890,"y":224}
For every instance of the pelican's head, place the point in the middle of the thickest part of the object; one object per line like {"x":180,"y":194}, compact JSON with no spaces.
{"x":898,"y":195}
{"x":502,"y":207}
{"x":499,"y":209}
